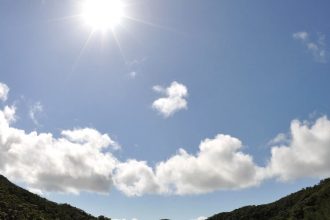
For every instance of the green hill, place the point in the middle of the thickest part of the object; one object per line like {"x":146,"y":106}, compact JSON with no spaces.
{"x":19,"y":204}
{"x":311,"y":203}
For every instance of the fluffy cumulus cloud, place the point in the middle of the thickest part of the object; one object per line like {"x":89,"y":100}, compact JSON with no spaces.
{"x":219,"y":164}
{"x":83,"y":160}
{"x":76,"y":161}
{"x":174,"y":99}
{"x":4,"y":89}
{"x":135,"y":178}
{"x":316,"y":48}
{"x":305,"y":154}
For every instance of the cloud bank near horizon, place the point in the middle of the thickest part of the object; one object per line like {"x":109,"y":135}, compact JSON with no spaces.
{"x":84,"y":160}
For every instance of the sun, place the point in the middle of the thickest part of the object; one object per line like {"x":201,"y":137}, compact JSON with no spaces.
{"x":103,"y":14}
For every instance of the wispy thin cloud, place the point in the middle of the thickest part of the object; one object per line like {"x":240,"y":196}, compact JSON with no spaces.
{"x":132,"y":75}
{"x":279,"y":139}
{"x":134,"y":67}
{"x":4,"y":89}
{"x":136,"y":62}
{"x":34,"y":110}
{"x":317,"y":48}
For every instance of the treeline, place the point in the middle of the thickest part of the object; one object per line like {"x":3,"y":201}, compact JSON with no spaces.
{"x":311,"y":203}
{"x":19,"y":204}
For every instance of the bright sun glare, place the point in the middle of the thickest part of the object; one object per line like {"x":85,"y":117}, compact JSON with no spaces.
{"x":103,"y":14}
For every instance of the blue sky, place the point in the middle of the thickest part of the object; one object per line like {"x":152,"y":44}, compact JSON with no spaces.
{"x":244,"y":69}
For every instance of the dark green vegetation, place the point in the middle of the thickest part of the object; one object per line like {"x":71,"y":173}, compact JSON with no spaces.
{"x":311,"y":203}
{"x":19,"y":204}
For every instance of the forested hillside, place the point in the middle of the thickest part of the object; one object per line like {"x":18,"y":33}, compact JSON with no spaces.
{"x":19,"y":204}
{"x":311,"y":203}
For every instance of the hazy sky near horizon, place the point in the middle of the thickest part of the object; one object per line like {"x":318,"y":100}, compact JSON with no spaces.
{"x":184,"y":109}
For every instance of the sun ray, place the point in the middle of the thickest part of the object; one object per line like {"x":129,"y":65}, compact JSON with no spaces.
{"x":105,"y":17}
{"x":65,"y":18}
{"x":119,"y":46}
{"x":151,"y":24}
{"x":81,"y":52}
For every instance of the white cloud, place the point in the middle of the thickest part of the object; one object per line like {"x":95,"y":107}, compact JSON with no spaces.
{"x":201,"y":218}
{"x":135,"y":178}
{"x":4,"y":90}
{"x":174,"y":100}
{"x":9,"y":114}
{"x":90,"y":136}
{"x":76,"y":161}
{"x":279,"y":139}
{"x":134,"y":67}
{"x":306,"y":155}
{"x":35,"y":191}
{"x":218,"y":165}
{"x":316,"y":48}
{"x":34,"y":110}
{"x":132,"y":75}
{"x":301,"y":35}
{"x":81,"y":160}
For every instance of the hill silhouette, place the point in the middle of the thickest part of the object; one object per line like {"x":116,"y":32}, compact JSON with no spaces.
{"x":311,"y":203}
{"x":19,"y":204}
